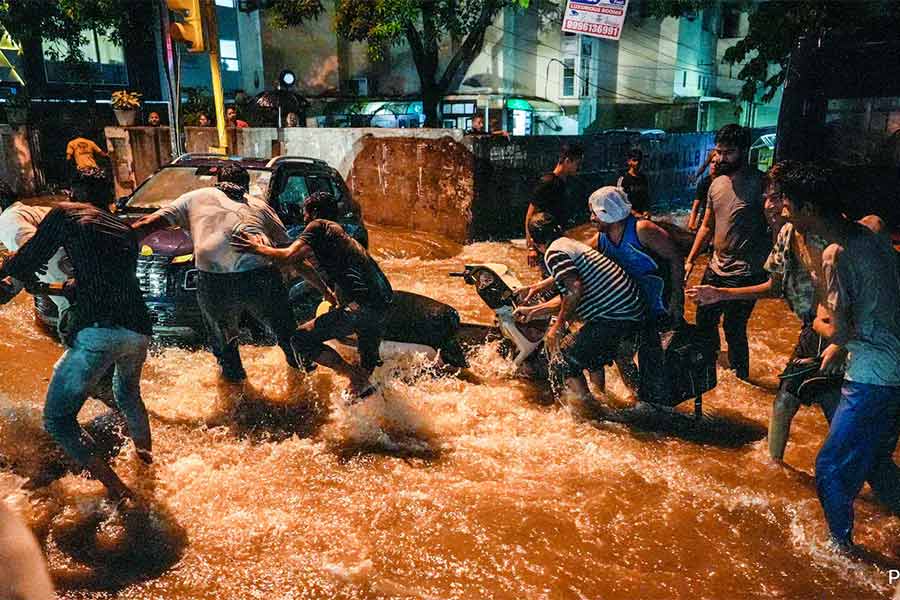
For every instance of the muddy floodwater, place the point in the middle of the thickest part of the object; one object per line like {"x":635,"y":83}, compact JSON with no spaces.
{"x":438,"y":487}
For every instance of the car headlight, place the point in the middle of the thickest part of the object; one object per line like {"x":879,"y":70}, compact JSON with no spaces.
{"x":182,"y":259}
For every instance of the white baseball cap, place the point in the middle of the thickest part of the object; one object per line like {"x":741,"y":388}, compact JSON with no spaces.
{"x":610,"y":204}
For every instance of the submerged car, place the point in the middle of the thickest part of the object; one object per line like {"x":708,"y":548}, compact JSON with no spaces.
{"x":166,"y":271}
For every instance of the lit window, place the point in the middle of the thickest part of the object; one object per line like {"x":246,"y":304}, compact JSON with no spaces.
{"x":104,"y":61}
{"x":225,"y":3}
{"x":568,"y":77}
{"x":229,"y":54}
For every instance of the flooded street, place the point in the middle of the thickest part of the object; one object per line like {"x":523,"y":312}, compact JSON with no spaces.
{"x":438,"y":487}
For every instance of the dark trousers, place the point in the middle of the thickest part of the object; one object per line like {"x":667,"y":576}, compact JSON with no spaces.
{"x":647,"y":380}
{"x":367,"y":322}
{"x":859,"y":447}
{"x":223,"y":299}
{"x":736,"y":314}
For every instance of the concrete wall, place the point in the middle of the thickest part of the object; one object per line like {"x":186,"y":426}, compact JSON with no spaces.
{"x":422,"y":184}
{"x":259,"y":142}
{"x":16,"y":164}
{"x":507,"y":173}
{"x":135,"y":154}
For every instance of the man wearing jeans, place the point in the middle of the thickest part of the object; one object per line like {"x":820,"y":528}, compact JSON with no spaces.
{"x":734,"y":216}
{"x":861,"y":321}
{"x":231,"y":282}
{"x":109,"y":327}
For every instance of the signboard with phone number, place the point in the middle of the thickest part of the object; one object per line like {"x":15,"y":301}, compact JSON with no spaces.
{"x":599,"y":18}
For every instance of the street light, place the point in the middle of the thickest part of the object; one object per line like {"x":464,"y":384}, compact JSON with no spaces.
{"x":287,"y":79}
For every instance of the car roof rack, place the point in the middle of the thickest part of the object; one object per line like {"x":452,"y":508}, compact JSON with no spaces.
{"x":277,"y":159}
{"x":202,"y":155}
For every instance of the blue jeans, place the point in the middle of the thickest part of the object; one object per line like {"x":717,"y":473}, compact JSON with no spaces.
{"x":94,"y":352}
{"x":860,"y":442}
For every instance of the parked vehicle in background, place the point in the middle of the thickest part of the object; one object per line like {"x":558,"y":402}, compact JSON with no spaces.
{"x":166,"y":270}
{"x":762,"y":152}
{"x":638,"y":134}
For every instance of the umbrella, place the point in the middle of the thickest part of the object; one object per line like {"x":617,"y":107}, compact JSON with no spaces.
{"x":282,"y":101}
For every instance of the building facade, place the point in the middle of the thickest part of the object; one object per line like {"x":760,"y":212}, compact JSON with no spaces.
{"x":663,"y":73}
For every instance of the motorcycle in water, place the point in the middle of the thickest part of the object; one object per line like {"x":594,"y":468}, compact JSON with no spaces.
{"x":418,"y":323}
{"x":689,"y":362}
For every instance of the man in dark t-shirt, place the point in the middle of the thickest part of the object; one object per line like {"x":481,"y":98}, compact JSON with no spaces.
{"x":550,"y":195}
{"x":635,"y":184}
{"x":360,"y":298}
{"x":109,"y":327}
{"x":356,"y":276}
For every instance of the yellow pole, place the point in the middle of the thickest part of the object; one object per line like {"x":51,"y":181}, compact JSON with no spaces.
{"x":212,"y":38}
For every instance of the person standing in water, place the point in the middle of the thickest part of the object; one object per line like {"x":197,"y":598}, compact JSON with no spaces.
{"x":594,"y":291}
{"x":231,"y":283}
{"x":551,"y":196}
{"x":649,"y":255}
{"x":360,"y":300}
{"x":109,"y":326}
{"x":734,"y":218}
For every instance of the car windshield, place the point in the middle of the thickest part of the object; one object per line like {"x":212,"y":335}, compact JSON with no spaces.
{"x":171,"y":182}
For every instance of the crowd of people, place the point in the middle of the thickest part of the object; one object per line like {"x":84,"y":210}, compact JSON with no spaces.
{"x":784,"y":234}
{"x":238,"y":241}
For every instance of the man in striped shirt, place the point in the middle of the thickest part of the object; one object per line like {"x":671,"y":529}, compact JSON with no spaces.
{"x":594,"y":291}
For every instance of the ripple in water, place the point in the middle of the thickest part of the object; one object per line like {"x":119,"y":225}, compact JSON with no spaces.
{"x":440,"y":487}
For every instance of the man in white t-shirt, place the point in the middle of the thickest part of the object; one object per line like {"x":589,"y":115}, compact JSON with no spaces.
{"x":231,"y":282}
{"x":18,"y":223}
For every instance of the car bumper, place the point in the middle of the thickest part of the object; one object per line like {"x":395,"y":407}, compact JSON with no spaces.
{"x":174,"y":321}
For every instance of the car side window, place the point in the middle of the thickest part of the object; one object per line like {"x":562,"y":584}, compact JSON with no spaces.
{"x":293,"y":194}
{"x":296,"y":189}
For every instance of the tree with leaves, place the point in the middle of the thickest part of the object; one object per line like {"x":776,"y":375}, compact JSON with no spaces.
{"x":29,"y":22}
{"x":424,"y":25}
{"x":777,"y":26}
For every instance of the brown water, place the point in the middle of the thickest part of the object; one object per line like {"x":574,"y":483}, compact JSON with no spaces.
{"x":437,"y":488}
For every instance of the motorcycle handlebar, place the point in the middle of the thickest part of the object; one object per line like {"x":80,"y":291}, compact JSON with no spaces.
{"x":455,"y":274}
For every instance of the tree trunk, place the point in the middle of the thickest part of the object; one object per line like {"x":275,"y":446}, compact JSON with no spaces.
{"x":424,"y":50}
{"x":431,"y":98}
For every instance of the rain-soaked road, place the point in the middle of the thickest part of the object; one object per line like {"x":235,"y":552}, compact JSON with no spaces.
{"x":444,"y":487}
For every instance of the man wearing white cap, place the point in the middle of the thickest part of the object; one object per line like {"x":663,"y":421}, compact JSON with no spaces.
{"x":641,"y":248}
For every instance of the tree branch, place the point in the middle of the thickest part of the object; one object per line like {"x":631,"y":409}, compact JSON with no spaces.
{"x":417,"y":50}
{"x":471,"y":46}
